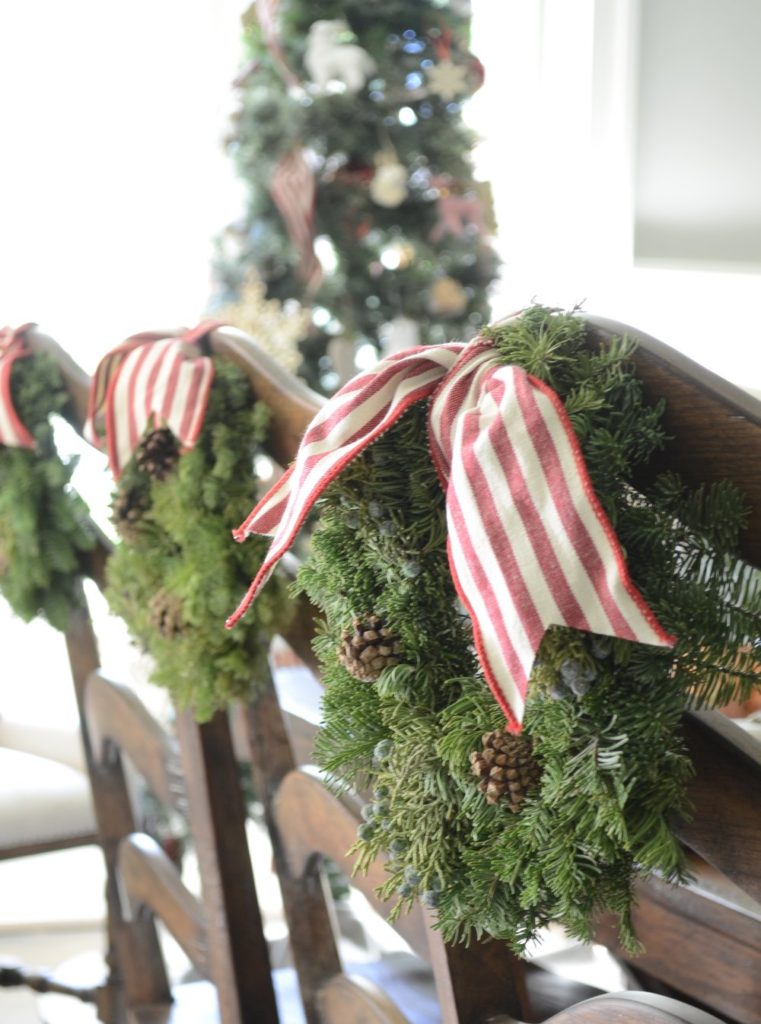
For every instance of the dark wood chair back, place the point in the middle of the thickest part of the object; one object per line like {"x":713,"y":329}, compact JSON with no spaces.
{"x":704,"y":940}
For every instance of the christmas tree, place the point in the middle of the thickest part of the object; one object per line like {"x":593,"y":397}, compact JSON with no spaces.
{"x":361,"y":201}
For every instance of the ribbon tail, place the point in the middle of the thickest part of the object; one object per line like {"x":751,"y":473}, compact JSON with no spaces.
{"x":529,"y":543}
{"x":265,"y":516}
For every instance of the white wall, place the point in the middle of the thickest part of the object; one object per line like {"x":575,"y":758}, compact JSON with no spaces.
{"x":559,"y":114}
{"x":698,"y":152}
{"x":113,"y":179}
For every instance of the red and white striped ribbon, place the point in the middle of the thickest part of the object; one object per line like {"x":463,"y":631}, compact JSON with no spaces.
{"x":293,"y":191}
{"x":150,"y":379}
{"x":529,"y":544}
{"x":13,"y":433}
{"x":266,"y":12}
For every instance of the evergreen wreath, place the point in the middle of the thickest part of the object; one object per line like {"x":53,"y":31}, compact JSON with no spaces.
{"x":176,"y":573}
{"x":503,"y":838}
{"x":44,"y":524}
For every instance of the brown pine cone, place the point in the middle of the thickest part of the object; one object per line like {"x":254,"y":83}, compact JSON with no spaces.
{"x":157,"y":453}
{"x":368,"y":648}
{"x":506,"y":767}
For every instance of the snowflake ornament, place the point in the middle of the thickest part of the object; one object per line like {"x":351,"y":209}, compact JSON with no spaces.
{"x":277,"y":327}
{"x":447,"y":79}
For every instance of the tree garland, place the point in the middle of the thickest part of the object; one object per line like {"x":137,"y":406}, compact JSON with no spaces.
{"x":44,"y":528}
{"x":602,"y":723}
{"x":177,"y":572}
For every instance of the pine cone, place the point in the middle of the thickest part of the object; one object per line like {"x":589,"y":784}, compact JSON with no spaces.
{"x":369,"y":648}
{"x":157,"y":453}
{"x":506,"y":767}
{"x":166,"y":613}
{"x":127,"y":509}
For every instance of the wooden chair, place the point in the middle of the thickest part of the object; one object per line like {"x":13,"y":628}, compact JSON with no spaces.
{"x":704,"y":941}
{"x":54,"y":810}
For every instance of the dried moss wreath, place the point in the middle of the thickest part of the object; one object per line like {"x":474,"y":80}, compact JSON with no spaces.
{"x":504,"y":834}
{"x":44,"y":526}
{"x":176,"y":574}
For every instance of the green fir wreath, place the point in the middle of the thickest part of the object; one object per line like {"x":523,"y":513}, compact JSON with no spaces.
{"x":44,"y":525}
{"x":600,"y":770}
{"x":177,"y":573}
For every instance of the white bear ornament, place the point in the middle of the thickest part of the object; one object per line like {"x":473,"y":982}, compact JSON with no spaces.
{"x":328,"y":60}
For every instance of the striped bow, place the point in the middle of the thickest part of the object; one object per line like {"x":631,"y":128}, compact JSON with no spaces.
{"x":529,"y":544}
{"x":13,"y":433}
{"x":151,"y":378}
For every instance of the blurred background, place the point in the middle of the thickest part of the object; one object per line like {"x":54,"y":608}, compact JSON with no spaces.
{"x":620,"y":139}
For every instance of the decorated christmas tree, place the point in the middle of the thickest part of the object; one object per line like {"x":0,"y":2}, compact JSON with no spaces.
{"x":361,"y":201}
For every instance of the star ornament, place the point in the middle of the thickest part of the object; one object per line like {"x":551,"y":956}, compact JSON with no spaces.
{"x":447,"y":79}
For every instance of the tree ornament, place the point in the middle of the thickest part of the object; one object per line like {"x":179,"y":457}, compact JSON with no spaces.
{"x":388,"y":187}
{"x":447,"y":297}
{"x":330,"y":61}
{"x":341,"y":352}
{"x":265,"y":12}
{"x":369,"y":648}
{"x":277,"y":327}
{"x":399,"y":334}
{"x":448,"y":80}
{"x":157,"y":453}
{"x":506,"y":767}
{"x":293,"y":191}
{"x":460,"y":210}
{"x":398,"y":254}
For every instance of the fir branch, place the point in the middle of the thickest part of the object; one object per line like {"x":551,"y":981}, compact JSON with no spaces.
{"x":44,"y":524}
